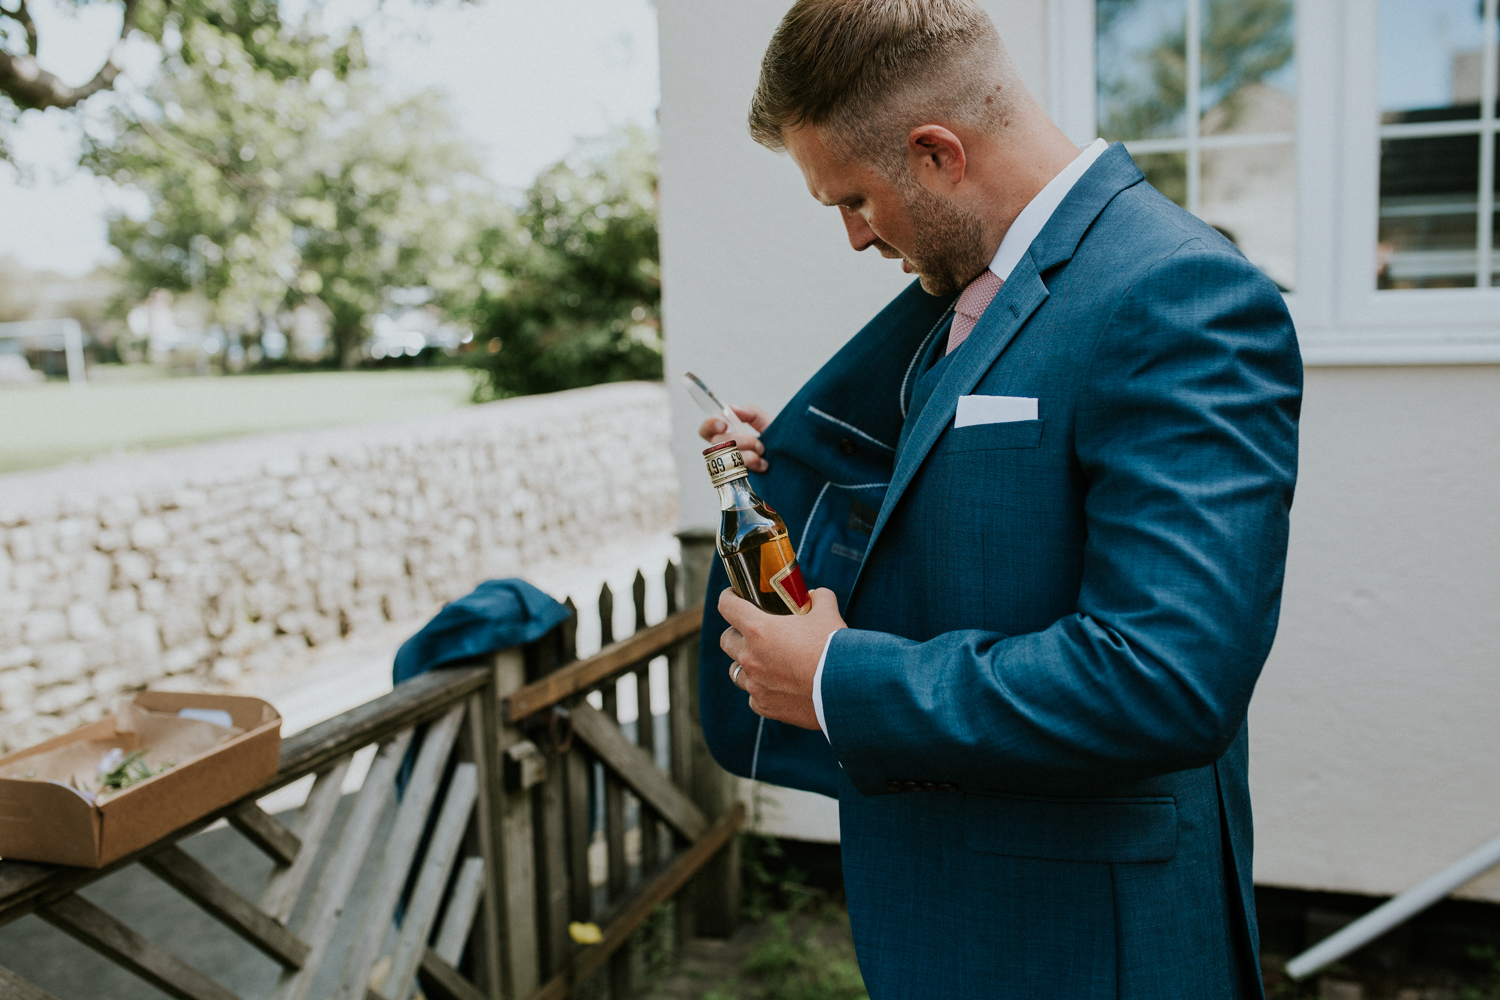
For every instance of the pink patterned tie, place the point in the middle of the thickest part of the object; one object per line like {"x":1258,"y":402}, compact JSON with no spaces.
{"x":971,"y":305}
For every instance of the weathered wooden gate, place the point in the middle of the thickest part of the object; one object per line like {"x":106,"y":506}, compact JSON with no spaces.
{"x":494,"y":772}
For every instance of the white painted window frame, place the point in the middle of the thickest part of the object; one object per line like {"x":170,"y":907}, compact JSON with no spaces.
{"x":1342,"y":319}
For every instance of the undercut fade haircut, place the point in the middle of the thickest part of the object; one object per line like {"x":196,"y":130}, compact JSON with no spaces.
{"x":869,"y":71}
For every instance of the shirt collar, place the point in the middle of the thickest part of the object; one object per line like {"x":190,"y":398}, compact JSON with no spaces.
{"x":1034,"y":216}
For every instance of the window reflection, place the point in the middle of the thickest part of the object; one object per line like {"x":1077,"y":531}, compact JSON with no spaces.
{"x":1431,"y":55}
{"x":1429,"y":212}
{"x":1435,"y":139}
{"x":1247,"y":198}
{"x":1248,"y":74}
{"x":1141,"y":58}
{"x":1224,"y":149}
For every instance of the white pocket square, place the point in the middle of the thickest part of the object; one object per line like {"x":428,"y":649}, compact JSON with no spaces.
{"x":993,"y":410}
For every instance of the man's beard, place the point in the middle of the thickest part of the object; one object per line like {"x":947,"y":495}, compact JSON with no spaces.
{"x":947,"y":248}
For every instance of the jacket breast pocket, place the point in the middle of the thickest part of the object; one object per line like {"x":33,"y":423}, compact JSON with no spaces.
{"x":1098,"y":830}
{"x":991,"y":437}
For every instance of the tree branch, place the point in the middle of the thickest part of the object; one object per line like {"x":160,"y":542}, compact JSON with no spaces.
{"x":23,"y":16}
{"x":25,"y":82}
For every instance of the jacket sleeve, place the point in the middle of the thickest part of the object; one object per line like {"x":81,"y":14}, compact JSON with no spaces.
{"x":1186,"y":433}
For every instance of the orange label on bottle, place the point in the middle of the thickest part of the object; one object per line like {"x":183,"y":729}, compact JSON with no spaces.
{"x":779,"y":572}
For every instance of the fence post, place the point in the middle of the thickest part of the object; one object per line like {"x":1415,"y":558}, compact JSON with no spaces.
{"x":514,"y":872}
{"x":716,"y":890}
{"x":550,"y":806}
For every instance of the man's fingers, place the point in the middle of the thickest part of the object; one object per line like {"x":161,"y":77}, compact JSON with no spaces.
{"x":738,"y":612}
{"x":733,"y":644}
{"x":715,"y":430}
{"x":752,"y":415}
{"x":824,"y":600}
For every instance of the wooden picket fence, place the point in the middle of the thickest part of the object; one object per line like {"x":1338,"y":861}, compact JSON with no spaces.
{"x":487,"y":860}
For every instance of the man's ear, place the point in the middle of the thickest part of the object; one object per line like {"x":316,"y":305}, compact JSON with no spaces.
{"x":936,"y":156}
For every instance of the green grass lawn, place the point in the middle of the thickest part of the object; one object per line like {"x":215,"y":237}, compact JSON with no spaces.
{"x":134,"y":409}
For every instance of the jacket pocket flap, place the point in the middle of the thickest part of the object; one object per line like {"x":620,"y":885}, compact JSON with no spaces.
{"x":1102,"y":831}
{"x":834,"y":449}
{"x":1006,"y":434}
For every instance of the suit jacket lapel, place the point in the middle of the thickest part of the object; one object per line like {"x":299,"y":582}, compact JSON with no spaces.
{"x":1009,"y":311}
{"x":862,"y":386}
{"x":1022,"y":294}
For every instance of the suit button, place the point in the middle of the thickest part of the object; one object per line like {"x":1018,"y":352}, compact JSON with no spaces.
{"x":912,"y":786}
{"x":846,"y":447}
{"x":929,"y":786}
{"x":893,"y":785}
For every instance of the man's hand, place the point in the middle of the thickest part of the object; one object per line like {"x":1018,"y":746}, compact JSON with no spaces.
{"x":715,"y":430}
{"x":778,"y":654}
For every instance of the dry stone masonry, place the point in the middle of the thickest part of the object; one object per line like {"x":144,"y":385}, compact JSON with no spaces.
{"x":200,"y":563}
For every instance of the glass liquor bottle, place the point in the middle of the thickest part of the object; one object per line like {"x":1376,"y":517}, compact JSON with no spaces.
{"x":753,"y":540}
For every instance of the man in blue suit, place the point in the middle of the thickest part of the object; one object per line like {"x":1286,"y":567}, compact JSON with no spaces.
{"x":1044,"y":494}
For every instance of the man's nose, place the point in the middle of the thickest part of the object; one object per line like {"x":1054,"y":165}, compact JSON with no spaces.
{"x":861,"y":235}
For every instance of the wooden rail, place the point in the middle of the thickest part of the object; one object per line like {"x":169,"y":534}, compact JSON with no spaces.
{"x":23,"y":883}
{"x":663,"y":887}
{"x":488,"y":843}
{"x":609,"y":662}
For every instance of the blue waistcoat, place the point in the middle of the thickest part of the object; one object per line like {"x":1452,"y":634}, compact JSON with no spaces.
{"x":1036,"y":720}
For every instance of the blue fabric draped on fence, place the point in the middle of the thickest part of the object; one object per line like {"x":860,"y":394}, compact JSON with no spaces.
{"x":495,"y":615}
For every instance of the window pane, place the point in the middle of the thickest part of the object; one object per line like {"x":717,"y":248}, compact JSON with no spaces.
{"x":1142,"y":66}
{"x":1431,"y":54}
{"x":1248,"y":73}
{"x":1248,"y":194}
{"x":1429,"y":212}
{"x":1167,"y":172}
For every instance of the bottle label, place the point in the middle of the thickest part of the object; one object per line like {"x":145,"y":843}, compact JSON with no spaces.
{"x":724,"y":463}
{"x":779,"y":573}
{"x":793,"y":591}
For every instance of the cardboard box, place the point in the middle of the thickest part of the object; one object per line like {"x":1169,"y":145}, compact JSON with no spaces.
{"x":51,"y":809}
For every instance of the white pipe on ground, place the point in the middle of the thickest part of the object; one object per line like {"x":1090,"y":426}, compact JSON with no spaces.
{"x":1397,"y":910}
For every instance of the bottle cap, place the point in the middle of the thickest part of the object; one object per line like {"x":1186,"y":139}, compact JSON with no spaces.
{"x":724,"y":463}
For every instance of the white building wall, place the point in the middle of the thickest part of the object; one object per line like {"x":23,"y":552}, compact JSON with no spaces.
{"x":1374,"y":732}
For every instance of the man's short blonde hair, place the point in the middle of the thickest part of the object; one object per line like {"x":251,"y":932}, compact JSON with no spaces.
{"x":868,"y":71}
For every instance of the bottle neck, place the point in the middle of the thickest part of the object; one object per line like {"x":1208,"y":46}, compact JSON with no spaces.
{"x":736,"y":494}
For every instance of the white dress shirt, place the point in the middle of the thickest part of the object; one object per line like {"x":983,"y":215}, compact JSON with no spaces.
{"x":1013,"y":247}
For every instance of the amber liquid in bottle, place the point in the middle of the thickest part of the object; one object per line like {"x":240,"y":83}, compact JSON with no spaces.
{"x":753,"y":540}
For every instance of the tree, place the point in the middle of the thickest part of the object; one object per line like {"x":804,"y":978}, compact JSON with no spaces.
{"x":267,"y":188}
{"x":576,"y":300}
{"x":1143,"y":88}
{"x":26,"y":84}
{"x":1243,"y":42}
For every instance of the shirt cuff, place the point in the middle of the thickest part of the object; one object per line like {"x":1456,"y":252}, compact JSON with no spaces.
{"x":818,"y":686}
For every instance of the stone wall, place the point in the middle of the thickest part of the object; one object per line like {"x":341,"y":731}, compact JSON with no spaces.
{"x":199,"y":563}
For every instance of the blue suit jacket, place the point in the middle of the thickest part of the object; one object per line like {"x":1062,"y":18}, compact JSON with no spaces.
{"x":1037,"y":716}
